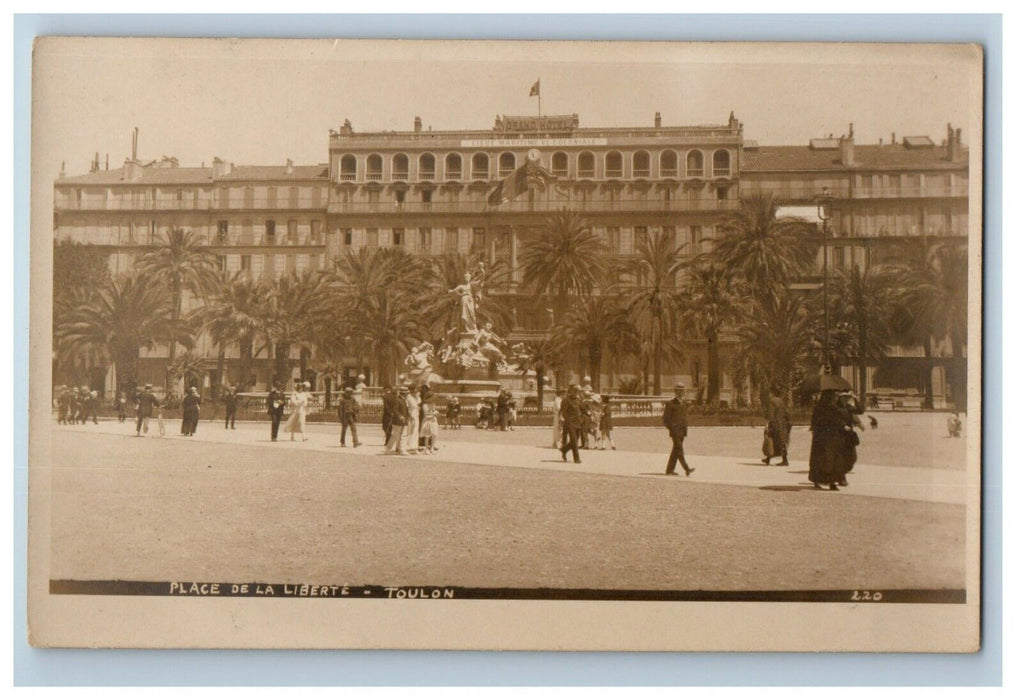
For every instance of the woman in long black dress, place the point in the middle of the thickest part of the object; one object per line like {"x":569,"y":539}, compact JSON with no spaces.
{"x":829,"y":452}
{"x":190,"y":412}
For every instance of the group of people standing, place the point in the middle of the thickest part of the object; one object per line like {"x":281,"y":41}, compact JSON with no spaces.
{"x":579,"y":414}
{"x":409,"y":420}
{"x":76,"y":405}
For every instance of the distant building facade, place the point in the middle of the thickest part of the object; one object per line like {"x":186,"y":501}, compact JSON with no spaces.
{"x":430,"y":192}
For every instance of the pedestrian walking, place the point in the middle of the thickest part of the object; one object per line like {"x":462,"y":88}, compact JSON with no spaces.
{"x":299,"y":405}
{"x":677,"y":423}
{"x":606,"y":423}
{"x":502,"y":409}
{"x":390,"y":399}
{"x":399,"y":419}
{"x":122,"y":407}
{"x":831,"y":424}
{"x":275,"y":403}
{"x":428,"y":429}
{"x":954,"y":425}
{"x":571,"y":421}
{"x":159,"y":419}
{"x":348,"y":414}
{"x":454,"y":413}
{"x":190,"y":412}
{"x":92,"y":406}
{"x":145,"y":402}
{"x":779,"y":428}
{"x":411,"y":437}
{"x":559,"y":397}
{"x":230,"y":400}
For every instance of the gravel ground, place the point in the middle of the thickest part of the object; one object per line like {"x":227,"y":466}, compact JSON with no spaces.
{"x":170,"y":510}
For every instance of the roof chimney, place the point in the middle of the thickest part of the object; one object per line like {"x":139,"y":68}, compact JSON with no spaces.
{"x":135,"y":144}
{"x":108,"y":162}
{"x":289,"y":167}
{"x":846,"y":151}
{"x":418,"y":125}
{"x":220,"y":168}
{"x":132,"y":170}
{"x":954,"y":143}
{"x":94,"y":166}
{"x":657,"y":120}
{"x":893,"y":138}
{"x":62,"y":169}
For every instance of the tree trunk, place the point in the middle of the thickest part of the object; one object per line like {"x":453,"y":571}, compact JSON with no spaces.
{"x":658,"y":330}
{"x":173,"y":345}
{"x":713,"y":370}
{"x":539,"y":385}
{"x":215,"y":390}
{"x":303,"y":362}
{"x":862,"y":365}
{"x":596,"y":357}
{"x":282,"y":366}
{"x":126,"y":362}
{"x":244,"y":362}
{"x":928,"y":385}
{"x":328,"y":381}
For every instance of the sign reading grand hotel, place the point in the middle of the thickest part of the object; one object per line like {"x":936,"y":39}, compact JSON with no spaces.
{"x":529,"y":143}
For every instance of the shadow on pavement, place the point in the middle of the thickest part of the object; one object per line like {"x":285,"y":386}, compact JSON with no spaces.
{"x":788,"y":487}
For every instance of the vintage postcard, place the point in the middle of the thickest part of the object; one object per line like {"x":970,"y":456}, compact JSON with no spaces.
{"x":505,"y":345}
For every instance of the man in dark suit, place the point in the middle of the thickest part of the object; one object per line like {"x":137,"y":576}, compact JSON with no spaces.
{"x":275,"y":403}
{"x":572,"y":422}
{"x":779,"y":427}
{"x":387,"y":418}
{"x":145,"y":401}
{"x":348,"y":413}
{"x":675,"y":421}
{"x":231,"y":404}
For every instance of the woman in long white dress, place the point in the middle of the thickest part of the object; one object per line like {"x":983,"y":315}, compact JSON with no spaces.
{"x":299,"y":406}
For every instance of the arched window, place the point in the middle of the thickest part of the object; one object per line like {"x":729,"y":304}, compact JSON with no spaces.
{"x":506,"y":164}
{"x":399,"y":167}
{"x":374,"y":167}
{"x":722,"y":163}
{"x":427,"y":166}
{"x":453,"y":167}
{"x":481,"y":166}
{"x":641,"y":164}
{"x":587,"y":164}
{"x":694,"y":164}
{"x":669,"y":164}
{"x":347,"y":170}
{"x":613,"y":165}
{"x":559,"y":164}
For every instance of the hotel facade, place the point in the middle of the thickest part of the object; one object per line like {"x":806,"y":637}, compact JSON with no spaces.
{"x":430,"y":192}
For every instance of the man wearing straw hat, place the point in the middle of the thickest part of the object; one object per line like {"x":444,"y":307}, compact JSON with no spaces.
{"x":675,"y":421}
{"x":146,"y":401}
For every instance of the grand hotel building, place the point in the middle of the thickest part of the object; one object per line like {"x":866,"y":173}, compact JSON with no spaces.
{"x":427,"y":191}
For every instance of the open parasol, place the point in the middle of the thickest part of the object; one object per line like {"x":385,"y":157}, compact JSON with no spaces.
{"x":824,"y":382}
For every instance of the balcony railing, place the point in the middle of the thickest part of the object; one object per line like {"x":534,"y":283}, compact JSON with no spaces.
{"x":524,"y":206}
{"x":480,"y":175}
{"x":346,"y":177}
{"x":896,"y":192}
{"x":505,"y":172}
{"x":426,"y":174}
{"x":401,"y":175}
{"x":722,"y":172}
{"x":375,"y":175}
{"x":669,"y":172}
{"x":560,"y":172}
{"x":641,"y":172}
{"x":587,"y":172}
{"x":613,"y":173}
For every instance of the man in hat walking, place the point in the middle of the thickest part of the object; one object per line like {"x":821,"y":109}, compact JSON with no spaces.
{"x":145,"y":401}
{"x":231,"y":406}
{"x":348,"y":413}
{"x":675,"y":421}
{"x":399,"y":419}
{"x":572,"y":421}
{"x":275,"y":403}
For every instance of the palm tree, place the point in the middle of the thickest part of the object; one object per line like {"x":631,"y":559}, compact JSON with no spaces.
{"x":649,"y":282}
{"x":381,"y":291}
{"x":188,"y":368}
{"x":862,"y":304}
{"x":565,"y":257}
{"x":590,"y":327}
{"x":296,"y":302}
{"x":235,"y":315}
{"x":179,"y":263}
{"x":762,"y":252}
{"x":125,"y":315}
{"x":933,"y":294}
{"x":775,"y":342}
{"x":709,"y":304}
{"x":538,"y":357}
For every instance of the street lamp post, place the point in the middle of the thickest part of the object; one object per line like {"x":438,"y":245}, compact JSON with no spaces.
{"x":824,"y":214}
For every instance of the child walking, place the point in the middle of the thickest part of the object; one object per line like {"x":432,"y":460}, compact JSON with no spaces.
{"x":606,"y":425}
{"x":429,"y":429}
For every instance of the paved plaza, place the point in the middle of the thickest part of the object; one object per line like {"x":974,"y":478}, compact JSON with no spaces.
{"x":490,"y":509}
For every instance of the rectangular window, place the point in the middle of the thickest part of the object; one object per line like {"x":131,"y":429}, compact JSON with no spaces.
{"x":314,"y":232}
{"x":222,"y":231}
{"x":398,"y":237}
{"x":246,"y":262}
{"x":293,"y":198}
{"x":479,"y":239}
{"x":614,"y":239}
{"x":249,"y":198}
{"x":222,"y":263}
{"x":289,"y":263}
{"x":427,"y":199}
{"x":270,"y":230}
{"x":425,"y":240}
{"x":271,"y":197}
{"x":641,"y":233}
{"x":695,"y":238}
{"x":372,"y":238}
{"x":450,"y":240}
{"x":346,"y":236}
{"x":292,"y":231}
{"x":399,"y":198}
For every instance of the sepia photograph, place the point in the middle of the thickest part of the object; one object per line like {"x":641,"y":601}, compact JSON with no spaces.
{"x":505,"y":345}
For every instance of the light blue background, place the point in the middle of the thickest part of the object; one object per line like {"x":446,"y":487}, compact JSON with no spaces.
{"x":135,"y":667}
